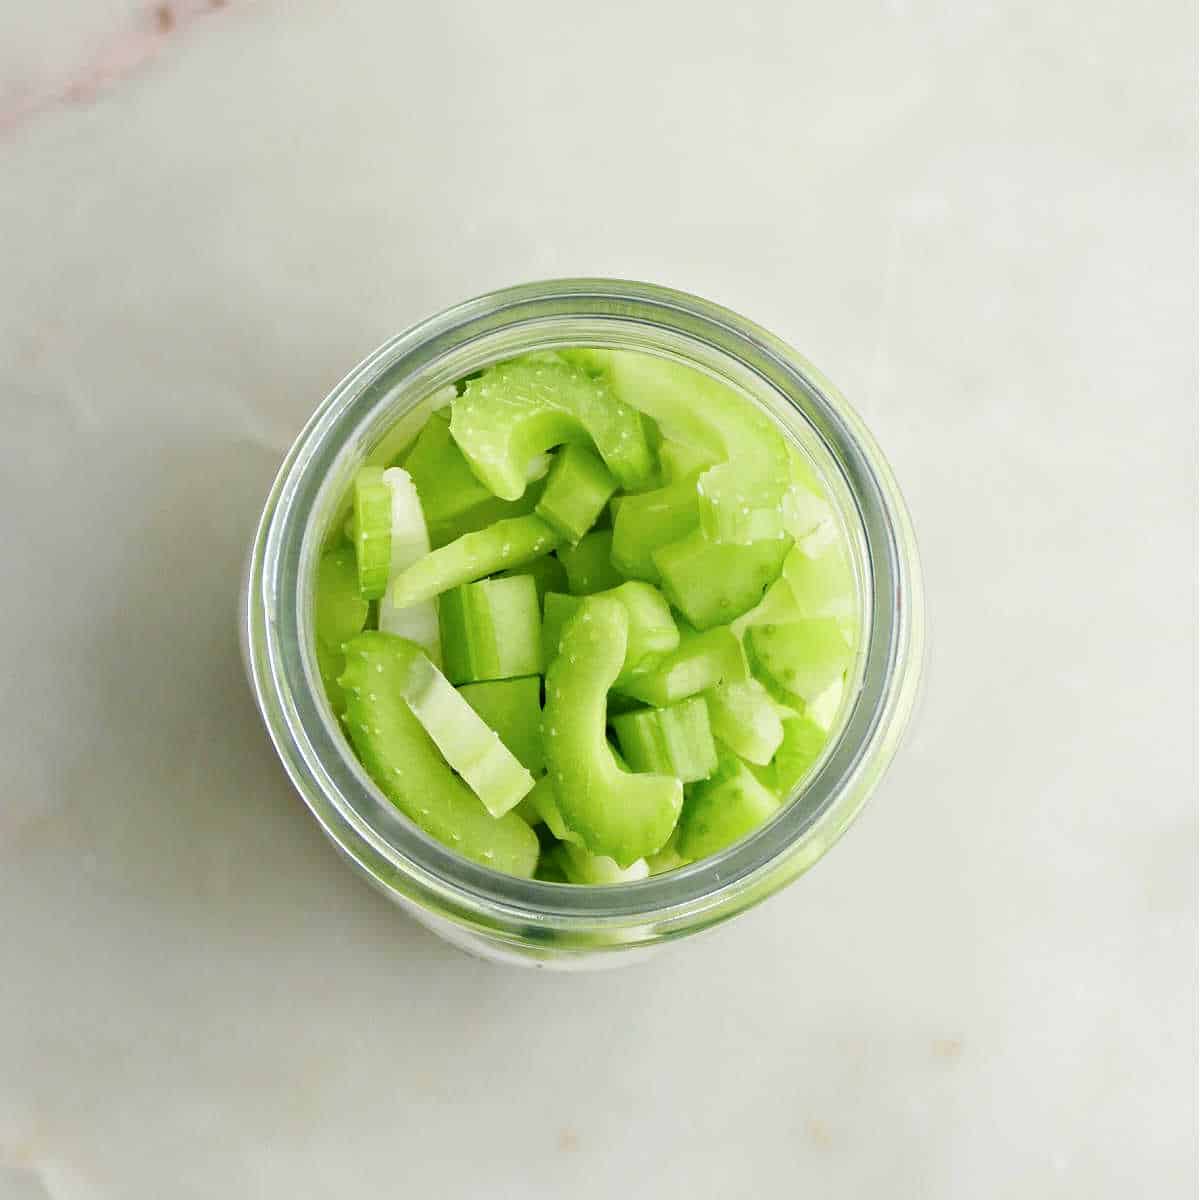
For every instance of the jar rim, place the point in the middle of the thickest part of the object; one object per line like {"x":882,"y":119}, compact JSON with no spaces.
{"x":399,"y":857}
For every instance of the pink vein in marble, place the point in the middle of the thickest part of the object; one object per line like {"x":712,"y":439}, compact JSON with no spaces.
{"x":111,"y":60}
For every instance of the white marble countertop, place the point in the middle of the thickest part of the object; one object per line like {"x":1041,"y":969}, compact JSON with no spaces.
{"x":978,"y":219}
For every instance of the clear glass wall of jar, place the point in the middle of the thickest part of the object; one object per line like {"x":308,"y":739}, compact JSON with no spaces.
{"x":527,"y":921}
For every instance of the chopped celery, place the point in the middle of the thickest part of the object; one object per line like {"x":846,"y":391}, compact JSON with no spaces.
{"x":581,"y":867}
{"x":723,"y":810}
{"x":454,"y":501}
{"x":467,"y":743}
{"x":739,"y":496}
{"x":409,"y":542}
{"x":668,"y":858}
{"x":803,"y":741}
{"x":823,"y":709}
{"x":589,"y":564}
{"x":711,"y":583}
{"x":799,"y":658}
{"x":513,"y":708}
{"x":652,"y":630}
{"x":677,"y":460}
{"x":777,"y":605}
{"x":669,"y":741}
{"x":372,"y":531}
{"x":491,"y":630}
{"x":548,"y":575}
{"x":544,"y":801}
{"x":401,"y":758}
{"x":745,"y":718}
{"x":646,"y":522}
{"x":340,"y":610}
{"x":515,"y":410}
{"x":505,"y":544}
{"x":623,"y":816}
{"x":576,"y":492}
{"x":701,"y":661}
{"x":823,"y":585}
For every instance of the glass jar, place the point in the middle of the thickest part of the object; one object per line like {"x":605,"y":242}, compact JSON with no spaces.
{"x":388,"y":394}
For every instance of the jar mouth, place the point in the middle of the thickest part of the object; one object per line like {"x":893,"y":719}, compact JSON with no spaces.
{"x":390,"y":385}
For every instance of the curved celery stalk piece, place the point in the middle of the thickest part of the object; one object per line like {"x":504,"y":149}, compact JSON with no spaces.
{"x":701,"y":661}
{"x":372,"y":531}
{"x":623,"y":816}
{"x":589,"y":564}
{"x":745,"y":718}
{"x":474,"y":555}
{"x":801,"y":658}
{"x":648,"y":521}
{"x":711,"y":583}
{"x":518,"y":409}
{"x":402,"y":759}
{"x":724,"y":810}
{"x":409,"y":543}
{"x":339,"y":613}
{"x":652,"y":629}
{"x":739,"y":496}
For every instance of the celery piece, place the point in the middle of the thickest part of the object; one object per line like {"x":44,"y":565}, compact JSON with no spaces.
{"x":623,"y":816}
{"x":578,"y":488}
{"x":803,"y":741}
{"x":701,"y":661}
{"x":800,"y":658}
{"x":548,"y":575}
{"x":677,"y":460}
{"x":339,"y":608}
{"x":745,"y":718}
{"x":543,"y":800}
{"x":517,"y":409}
{"x":650,"y":520}
{"x":669,"y":741}
{"x":740,"y":495}
{"x":824,"y":585}
{"x":589,"y":564}
{"x":409,"y":542}
{"x":668,"y":858}
{"x":711,"y":583}
{"x":652,"y":630}
{"x":503,"y":545}
{"x":491,"y":630}
{"x":581,"y":867}
{"x":401,"y":757}
{"x":372,"y":531}
{"x":723,"y":810}
{"x":513,"y":708}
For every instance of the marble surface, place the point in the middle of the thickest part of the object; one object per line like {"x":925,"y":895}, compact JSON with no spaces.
{"x":979,"y":219}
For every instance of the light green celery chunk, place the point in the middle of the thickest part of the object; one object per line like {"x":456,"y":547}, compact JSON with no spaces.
{"x":745,"y":718}
{"x":474,"y":750}
{"x":652,"y":629}
{"x":513,"y":708}
{"x":401,"y":758}
{"x":777,"y":605}
{"x":581,"y":867}
{"x":372,"y":531}
{"x":623,"y":816}
{"x":824,"y":585}
{"x":409,"y":543}
{"x":339,"y":608}
{"x":518,"y":409}
{"x":803,"y":741}
{"x":668,"y":858}
{"x":677,"y":460}
{"x":669,"y":741}
{"x":824,"y":708}
{"x":739,"y":496}
{"x":503,"y":545}
{"x":491,"y":630}
{"x":578,"y":488}
{"x":589,"y":564}
{"x":644,"y":523}
{"x":799,"y":658}
{"x":724,"y":810}
{"x":544,"y":802}
{"x":711,"y":583}
{"x":701,"y":661}
{"x":548,"y":575}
